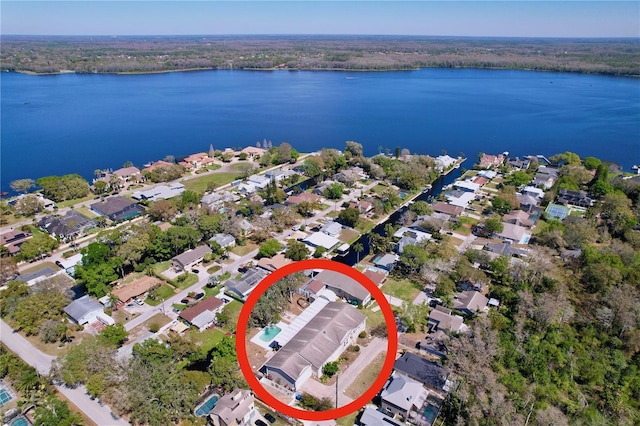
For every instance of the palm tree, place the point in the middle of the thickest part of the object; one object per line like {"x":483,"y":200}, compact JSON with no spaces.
{"x":113,"y":301}
{"x":358,"y":248}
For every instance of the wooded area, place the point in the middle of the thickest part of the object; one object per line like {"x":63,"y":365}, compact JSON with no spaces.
{"x":138,"y":54}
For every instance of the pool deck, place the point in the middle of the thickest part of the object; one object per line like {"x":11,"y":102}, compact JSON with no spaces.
{"x":258,"y":341}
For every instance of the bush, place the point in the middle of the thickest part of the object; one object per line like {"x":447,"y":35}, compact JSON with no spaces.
{"x":354,"y":348}
{"x":362,"y":334}
{"x":154,"y":327}
{"x":330,"y":369}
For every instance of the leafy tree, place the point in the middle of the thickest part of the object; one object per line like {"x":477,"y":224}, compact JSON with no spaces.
{"x":349,"y":217}
{"x":566,"y":158}
{"x":38,"y":245}
{"x":354,"y":148}
{"x":67,"y":187}
{"x":411,"y":259}
{"x":319,"y":252}
{"x":162,"y":210}
{"x":313,"y":166}
{"x":269,"y":248}
{"x":114,"y":335}
{"x":334,"y":191}
{"x":100,"y":187}
{"x":591,"y":163}
{"x":500,"y":205}
{"x":272,"y":194}
{"x":22,"y":185}
{"x":518,"y":178}
{"x":55,"y":412}
{"x":189,"y":199}
{"x":297,"y":250}
{"x":330,"y":369}
{"x":493,"y":225}
{"x":209,"y":225}
{"x":51,"y":331}
{"x":164,"y":174}
{"x":181,"y":238}
{"x":8,"y":268}
{"x":421,"y":208}
{"x":397,"y":152}
{"x":38,"y":307}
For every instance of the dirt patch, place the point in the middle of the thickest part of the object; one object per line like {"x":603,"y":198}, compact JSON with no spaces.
{"x":296,"y":306}
{"x":255,"y":353}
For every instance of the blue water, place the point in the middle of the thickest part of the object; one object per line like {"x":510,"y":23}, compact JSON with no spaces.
{"x":78,"y":123}
{"x":269,"y":333}
{"x":204,"y":409}
{"x":429,"y":414}
{"x":20,"y":421}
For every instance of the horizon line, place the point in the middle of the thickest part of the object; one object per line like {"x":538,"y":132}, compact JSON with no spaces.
{"x":321,"y":35}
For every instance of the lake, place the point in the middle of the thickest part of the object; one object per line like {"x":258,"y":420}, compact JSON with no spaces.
{"x":78,"y":123}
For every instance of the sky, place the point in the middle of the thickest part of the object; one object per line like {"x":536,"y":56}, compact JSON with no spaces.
{"x":419,"y":17}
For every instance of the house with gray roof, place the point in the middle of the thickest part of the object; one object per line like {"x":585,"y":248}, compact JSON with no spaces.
{"x":344,"y":287}
{"x":514,"y":233}
{"x":401,"y":395}
{"x":470,"y":302}
{"x":117,"y":208}
{"x":332,"y":229}
{"x":431,"y":374}
{"x":71,"y":224}
{"x":385,"y":261}
{"x":87,"y":310}
{"x":160,"y":192}
{"x":224,"y":240}
{"x":242,"y":287}
{"x":372,"y":417}
{"x":234,"y":409}
{"x":321,"y":340}
{"x":189,"y":258}
{"x":440,"y":318}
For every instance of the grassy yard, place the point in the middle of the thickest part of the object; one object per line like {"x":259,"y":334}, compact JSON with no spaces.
{"x":245,"y":249}
{"x":213,"y":269}
{"x":403,"y":289}
{"x":263,"y":409}
{"x":160,"y":267}
{"x":188,"y":282}
{"x":208,"y":339}
{"x":164,"y":292}
{"x":366,"y":378}
{"x":69,"y":203}
{"x":84,"y":211}
{"x":378,"y":189}
{"x":179,"y":306}
{"x":200,"y":184}
{"x":159,"y":319}
{"x":234,"y":307}
{"x":365,"y":225}
{"x":373,"y":318}
{"x":212,"y":291}
{"x":349,"y":420}
{"x":348,"y":236}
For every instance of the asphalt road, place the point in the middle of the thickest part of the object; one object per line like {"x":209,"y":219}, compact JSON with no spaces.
{"x":100,"y":414}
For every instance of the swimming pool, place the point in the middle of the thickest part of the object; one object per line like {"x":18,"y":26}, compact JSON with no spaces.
{"x":205,"y":408}
{"x":269,"y":333}
{"x":5,"y":394}
{"x":430,"y":413}
{"x":20,"y":421}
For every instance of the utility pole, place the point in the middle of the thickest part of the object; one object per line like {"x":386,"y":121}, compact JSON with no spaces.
{"x":337,"y":391}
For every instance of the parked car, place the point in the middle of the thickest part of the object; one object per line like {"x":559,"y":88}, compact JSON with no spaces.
{"x":138,"y":301}
{"x":185,"y":301}
{"x":260,"y":423}
{"x":176,"y":310}
{"x":199,"y":296}
{"x":269,"y":417}
{"x":225,"y":300}
{"x":195,"y":271}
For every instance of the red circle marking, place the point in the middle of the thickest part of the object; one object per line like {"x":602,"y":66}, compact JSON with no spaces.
{"x":241,"y":346}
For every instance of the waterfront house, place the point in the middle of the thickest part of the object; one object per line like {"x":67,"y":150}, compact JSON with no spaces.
{"x":320,"y":239}
{"x":574,"y":198}
{"x":332,"y":229}
{"x":545,"y":177}
{"x":451,"y":210}
{"x":444,"y":162}
{"x":196,"y":161}
{"x":488,"y":161}
{"x":385,"y":261}
{"x":518,"y":163}
{"x":253,"y":151}
{"x":128,"y":175}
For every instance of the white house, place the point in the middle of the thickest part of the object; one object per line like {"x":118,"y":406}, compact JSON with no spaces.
{"x":86,"y":310}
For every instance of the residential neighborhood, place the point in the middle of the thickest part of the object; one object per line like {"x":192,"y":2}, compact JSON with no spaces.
{"x":158,"y":271}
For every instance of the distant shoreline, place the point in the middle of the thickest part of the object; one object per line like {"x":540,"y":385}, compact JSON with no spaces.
{"x":604,"y":74}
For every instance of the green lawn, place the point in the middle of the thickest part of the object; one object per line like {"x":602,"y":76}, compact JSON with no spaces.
{"x":160,"y":267}
{"x":40,"y":267}
{"x":179,"y":306}
{"x":164,"y":292}
{"x":200,"y":184}
{"x":349,"y":420}
{"x":69,"y":203}
{"x":365,"y":226}
{"x":403,"y":289}
{"x":213,"y":269}
{"x":245,"y":249}
{"x":212,"y":291}
{"x":84,"y":211}
{"x":373,"y":318}
{"x":378,"y":189}
{"x":208,"y":339}
{"x":188,"y":282}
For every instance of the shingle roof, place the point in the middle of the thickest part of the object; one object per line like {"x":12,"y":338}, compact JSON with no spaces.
{"x":430,"y":373}
{"x":82,"y":306}
{"x":191,"y":255}
{"x":344,"y":283}
{"x":317,"y":340}
{"x":403,"y":392}
{"x":211,"y":303}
